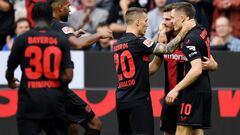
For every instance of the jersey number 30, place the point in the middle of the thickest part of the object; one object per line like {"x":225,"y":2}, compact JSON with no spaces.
{"x":45,"y":62}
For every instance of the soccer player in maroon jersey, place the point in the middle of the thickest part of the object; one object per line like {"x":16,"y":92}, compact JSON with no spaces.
{"x":174,"y":71}
{"x":131,"y":56}
{"x":194,"y":110}
{"x":44,"y":57}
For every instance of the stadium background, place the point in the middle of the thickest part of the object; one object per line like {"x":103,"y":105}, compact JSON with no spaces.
{"x":95,"y":82}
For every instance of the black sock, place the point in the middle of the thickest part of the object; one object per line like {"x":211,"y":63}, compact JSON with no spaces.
{"x":92,"y":132}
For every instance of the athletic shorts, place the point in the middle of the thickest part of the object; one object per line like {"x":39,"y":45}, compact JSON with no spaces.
{"x":195,"y":110}
{"x":135,"y":117}
{"x":54,"y":126}
{"x":168,"y":119}
{"x":77,"y":110}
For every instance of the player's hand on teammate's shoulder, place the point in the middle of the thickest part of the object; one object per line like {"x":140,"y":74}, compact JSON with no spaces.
{"x":171,"y":96}
{"x":13,"y":84}
{"x":209,"y":64}
{"x":106,"y":34}
{"x":188,"y":24}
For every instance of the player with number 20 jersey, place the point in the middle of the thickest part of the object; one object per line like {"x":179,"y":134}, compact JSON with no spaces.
{"x":131,"y":56}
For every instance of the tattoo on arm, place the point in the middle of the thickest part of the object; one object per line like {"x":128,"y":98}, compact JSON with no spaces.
{"x":168,"y":48}
{"x":172,"y":45}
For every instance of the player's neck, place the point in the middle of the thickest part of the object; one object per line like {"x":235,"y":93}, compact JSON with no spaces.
{"x":41,"y":24}
{"x":133,"y":30}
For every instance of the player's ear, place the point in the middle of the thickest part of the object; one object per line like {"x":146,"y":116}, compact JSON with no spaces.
{"x":183,"y":18}
{"x":187,"y":18}
{"x":137,"y":22}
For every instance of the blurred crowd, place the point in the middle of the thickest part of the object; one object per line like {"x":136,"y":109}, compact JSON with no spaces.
{"x":220,"y":17}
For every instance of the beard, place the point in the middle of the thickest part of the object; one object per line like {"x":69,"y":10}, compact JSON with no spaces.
{"x":64,"y":18}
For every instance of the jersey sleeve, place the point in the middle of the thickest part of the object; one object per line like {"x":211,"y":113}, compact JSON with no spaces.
{"x":66,"y":56}
{"x":146,"y":45}
{"x":191,"y":49}
{"x":16,"y":54}
{"x":64,"y":29}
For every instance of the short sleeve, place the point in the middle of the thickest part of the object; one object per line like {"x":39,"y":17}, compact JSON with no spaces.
{"x":63,"y":28}
{"x":190,"y":48}
{"x":146,"y":45}
{"x":66,"y":56}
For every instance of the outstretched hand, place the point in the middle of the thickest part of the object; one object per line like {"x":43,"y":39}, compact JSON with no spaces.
{"x":106,"y":34}
{"x":209,"y":64}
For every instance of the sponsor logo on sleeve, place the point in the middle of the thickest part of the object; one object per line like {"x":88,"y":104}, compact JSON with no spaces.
{"x":67,"y":30}
{"x":191,"y":48}
{"x":148,"y":42}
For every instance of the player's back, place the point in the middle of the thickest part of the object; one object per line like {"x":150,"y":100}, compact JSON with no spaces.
{"x":197,"y":45}
{"x":131,"y":56}
{"x":42,"y":56}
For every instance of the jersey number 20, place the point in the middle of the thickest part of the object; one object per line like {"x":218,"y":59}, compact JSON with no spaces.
{"x":121,"y":60}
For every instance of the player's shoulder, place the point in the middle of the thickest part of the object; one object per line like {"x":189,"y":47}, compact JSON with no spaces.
{"x":146,"y":42}
{"x":193,"y":35}
{"x":61,"y":26}
{"x":126,"y":37}
{"x":59,"y":36}
{"x":196,"y":31}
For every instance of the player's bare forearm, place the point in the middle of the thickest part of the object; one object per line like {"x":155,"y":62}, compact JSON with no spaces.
{"x":167,"y":48}
{"x":154,"y":65}
{"x":67,"y":76}
{"x":172,"y":45}
{"x":191,"y":76}
{"x":12,"y":82}
{"x":9,"y":75}
{"x":83,"y":42}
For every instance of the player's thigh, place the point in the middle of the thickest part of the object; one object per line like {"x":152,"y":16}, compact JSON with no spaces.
{"x":168,"y":120}
{"x":77,"y":110}
{"x":184,"y":130}
{"x":56,"y":126}
{"x":141,"y":119}
{"x":197,"y":132}
{"x":124,"y":127}
{"x":28,"y":127}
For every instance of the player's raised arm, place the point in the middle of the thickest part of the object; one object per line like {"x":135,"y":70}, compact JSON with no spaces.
{"x":85,"y":41}
{"x":174,"y":43}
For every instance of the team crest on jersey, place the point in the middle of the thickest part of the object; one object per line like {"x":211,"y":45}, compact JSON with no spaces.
{"x":148,"y":42}
{"x":67,"y":30}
